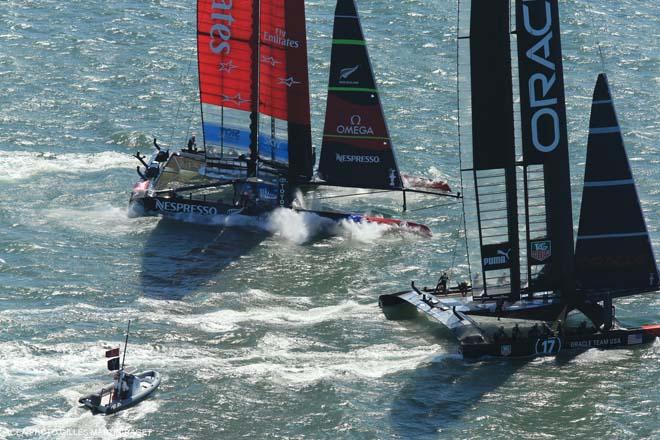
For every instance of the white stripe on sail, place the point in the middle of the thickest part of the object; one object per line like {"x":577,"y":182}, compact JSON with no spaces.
{"x":632,"y":234}
{"x":602,"y":101}
{"x":604,"y":130}
{"x":596,"y":183}
{"x":346,"y":16}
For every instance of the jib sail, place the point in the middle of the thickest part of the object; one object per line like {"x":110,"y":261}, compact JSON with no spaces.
{"x":613,"y":249}
{"x":356,"y":149}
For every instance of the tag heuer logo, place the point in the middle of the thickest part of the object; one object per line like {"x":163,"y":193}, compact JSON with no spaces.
{"x":541,"y":250}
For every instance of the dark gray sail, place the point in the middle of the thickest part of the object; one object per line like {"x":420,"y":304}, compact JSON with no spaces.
{"x":549,"y":218}
{"x":489,"y":169}
{"x":613,"y":248}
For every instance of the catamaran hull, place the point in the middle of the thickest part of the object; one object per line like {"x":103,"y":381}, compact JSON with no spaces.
{"x":553,"y":345}
{"x":458,"y":315}
{"x":207,"y":212}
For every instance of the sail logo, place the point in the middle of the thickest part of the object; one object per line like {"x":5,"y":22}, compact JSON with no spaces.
{"x":345,"y":73}
{"x":540,"y":250}
{"x":356,"y":127}
{"x":220,"y":32}
{"x":280,"y":38}
{"x":185,"y":208}
{"x":541,"y":101}
{"x":357,"y":158}
{"x":501,"y":258}
{"x":392,"y":177}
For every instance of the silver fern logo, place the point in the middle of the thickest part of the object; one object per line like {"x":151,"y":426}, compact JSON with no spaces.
{"x":347,"y":72}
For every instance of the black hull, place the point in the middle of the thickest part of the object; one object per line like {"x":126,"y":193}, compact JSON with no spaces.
{"x":554,"y":345}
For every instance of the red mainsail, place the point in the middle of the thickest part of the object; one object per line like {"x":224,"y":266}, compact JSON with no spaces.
{"x":230,"y":55}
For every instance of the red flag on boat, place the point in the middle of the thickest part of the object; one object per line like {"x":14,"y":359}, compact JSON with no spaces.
{"x":112,"y":353}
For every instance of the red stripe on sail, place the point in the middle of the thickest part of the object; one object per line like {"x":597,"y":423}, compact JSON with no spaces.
{"x":283,"y":82}
{"x":224,"y":54}
{"x":112,"y":353}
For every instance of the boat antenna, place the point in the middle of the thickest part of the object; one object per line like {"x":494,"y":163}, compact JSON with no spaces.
{"x":125,"y":344}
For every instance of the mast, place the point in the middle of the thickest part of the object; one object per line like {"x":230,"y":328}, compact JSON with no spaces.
{"x":254,"y":85}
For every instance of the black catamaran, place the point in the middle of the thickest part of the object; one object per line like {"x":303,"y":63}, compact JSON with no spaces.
{"x":257,"y":148}
{"x":555,"y":294}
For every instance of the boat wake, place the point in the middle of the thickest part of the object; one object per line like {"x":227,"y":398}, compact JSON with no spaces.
{"x":24,"y":165}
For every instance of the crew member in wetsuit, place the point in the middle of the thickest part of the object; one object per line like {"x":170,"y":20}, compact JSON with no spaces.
{"x":192,"y":144}
{"x":441,"y":287}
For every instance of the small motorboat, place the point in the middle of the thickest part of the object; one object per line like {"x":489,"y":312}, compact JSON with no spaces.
{"x":126,"y":390}
{"x":134,"y":389}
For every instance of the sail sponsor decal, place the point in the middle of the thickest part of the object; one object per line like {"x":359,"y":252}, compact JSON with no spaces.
{"x":541,"y":78}
{"x":357,"y":158}
{"x":496,"y":256}
{"x":279,"y":38}
{"x":184,"y":208}
{"x":220,"y":33}
{"x":540,"y":251}
{"x":345,"y":75}
{"x":355,"y":127}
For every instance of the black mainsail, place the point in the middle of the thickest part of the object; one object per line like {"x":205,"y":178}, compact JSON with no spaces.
{"x":516,"y":173}
{"x":356,"y":149}
{"x":549,"y":219}
{"x":489,"y":166}
{"x":613,"y":249}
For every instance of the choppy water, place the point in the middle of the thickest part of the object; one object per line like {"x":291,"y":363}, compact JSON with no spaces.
{"x":264,"y":335}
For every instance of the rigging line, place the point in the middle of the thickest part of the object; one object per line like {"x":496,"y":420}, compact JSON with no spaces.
{"x":180,"y":103}
{"x":458,"y":126}
{"x":352,"y":195}
{"x":432,"y":206}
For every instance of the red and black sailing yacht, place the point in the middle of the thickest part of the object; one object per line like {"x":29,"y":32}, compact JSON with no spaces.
{"x":535,"y":290}
{"x":257,"y":148}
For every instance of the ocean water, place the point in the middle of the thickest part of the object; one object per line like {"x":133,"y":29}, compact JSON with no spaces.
{"x":272,"y":330}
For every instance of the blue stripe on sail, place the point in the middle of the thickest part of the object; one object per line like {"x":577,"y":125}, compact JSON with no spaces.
{"x":629,"y":235}
{"x":278,"y":151}
{"x":602,"y":183}
{"x":604,"y":130}
{"x":233,"y":138}
{"x":602,"y":101}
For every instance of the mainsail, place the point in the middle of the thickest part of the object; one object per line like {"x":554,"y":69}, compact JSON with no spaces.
{"x":356,"y":149}
{"x":613,"y":248}
{"x":516,"y":173}
{"x":253,"y":79}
